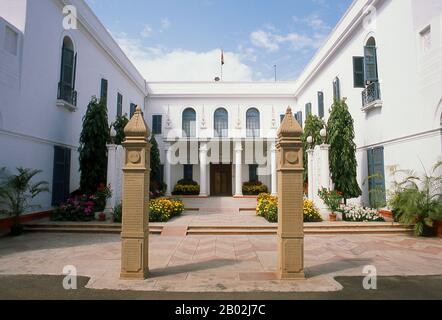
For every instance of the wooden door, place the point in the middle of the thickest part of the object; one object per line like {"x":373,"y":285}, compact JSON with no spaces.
{"x":221,"y":180}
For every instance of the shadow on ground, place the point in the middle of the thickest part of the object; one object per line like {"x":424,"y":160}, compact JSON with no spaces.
{"x":389,"y":288}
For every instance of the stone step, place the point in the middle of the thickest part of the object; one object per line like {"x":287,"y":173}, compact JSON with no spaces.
{"x":83,"y":230}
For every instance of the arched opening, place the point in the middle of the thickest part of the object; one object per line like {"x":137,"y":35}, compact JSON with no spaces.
{"x":189,"y":123}
{"x":66,"y":86}
{"x":253,"y":123}
{"x":371,"y":61}
{"x":221,"y":123}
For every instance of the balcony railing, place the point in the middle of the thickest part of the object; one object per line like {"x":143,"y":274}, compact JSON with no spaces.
{"x":67,"y":93}
{"x":371,"y":94}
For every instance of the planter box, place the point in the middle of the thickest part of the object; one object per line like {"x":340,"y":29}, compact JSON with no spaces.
{"x":5,"y":224}
{"x":387,"y":214}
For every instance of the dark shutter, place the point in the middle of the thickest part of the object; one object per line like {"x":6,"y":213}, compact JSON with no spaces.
{"x":337,"y":89}
{"x":188,"y":172}
{"x":119,"y":105}
{"x":371,"y":67}
{"x":157,"y":124}
{"x":321,"y":113}
{"x":133,"y":107}
{"x":161,"y":174}
{"x":298,"y":117}
{"x":61,"y":175}
{"x":103,"y":94}
{"x":74,"y":71}
{"x":253,"y":173}
{"x":282,"y":117}
{"x":358,"y":72}
{"x":376,"y":177}
{"x":308,"y":109}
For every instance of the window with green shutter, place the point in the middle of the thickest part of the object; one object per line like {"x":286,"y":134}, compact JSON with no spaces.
{"x":61,"y":175}
{"x":103,"y":93}
{"x":308,"y":109}
{"x":133,"y":107}
{"x":376,"y":177}
{"x":371,"y":65}
{"x":321,"y":111}
{"x":253,"y":173}
{"x":157,"y":124}
{"x":337,"y":89}
{"x":358,"y":72}
{"x":119,"y":105}
{"x":298,"y":117}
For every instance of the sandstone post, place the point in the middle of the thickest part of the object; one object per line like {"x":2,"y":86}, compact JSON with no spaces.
{"x":290,"y":200}
{"x":136,"y":173}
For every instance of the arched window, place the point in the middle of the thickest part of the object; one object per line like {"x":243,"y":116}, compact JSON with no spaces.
{"x":221,"y":123}
{"x":371,"y":61}
{"x":189,"y":123}
{"x":253,"y":123}
{"x":66,"y":87}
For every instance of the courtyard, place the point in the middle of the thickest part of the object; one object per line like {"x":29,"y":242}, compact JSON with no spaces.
{"x":219,"y":264}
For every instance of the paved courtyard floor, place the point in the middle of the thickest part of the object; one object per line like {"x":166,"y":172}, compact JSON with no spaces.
{"x":220,"y":263}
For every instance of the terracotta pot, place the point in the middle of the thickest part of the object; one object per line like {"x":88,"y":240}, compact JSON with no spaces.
{"x":102,"y":217}
{"x":333,"y":217}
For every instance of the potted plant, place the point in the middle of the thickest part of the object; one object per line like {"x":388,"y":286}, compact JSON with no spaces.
{"x":332,"y":200}
{"x":16,"y":192}
{"x":418,"y":201}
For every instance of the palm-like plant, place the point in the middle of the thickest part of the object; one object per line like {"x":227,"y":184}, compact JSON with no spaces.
{"x":17,"y":191}
{"x":418,"y":200}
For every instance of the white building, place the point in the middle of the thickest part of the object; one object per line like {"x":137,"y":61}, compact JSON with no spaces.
{"x":41,"y":103}
{"x":384,"y":56}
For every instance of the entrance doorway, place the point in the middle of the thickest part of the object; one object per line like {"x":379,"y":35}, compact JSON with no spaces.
{"x":221,"y":180}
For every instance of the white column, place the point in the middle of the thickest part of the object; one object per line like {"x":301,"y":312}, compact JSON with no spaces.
{"x":311,"y":190}
{"x":167,"y":171}
{"x":111,"y":176}
{"x":203,"y":170}
{"x":325,"y":166}
{"x":238,"y":169}
{"x":273,"y":169}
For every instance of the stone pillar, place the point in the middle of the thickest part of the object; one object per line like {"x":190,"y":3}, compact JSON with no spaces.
{"x":203,"y":170}
{"x":111,"y":176}
{"x":274,"y":173}
{"x":167,"y":171}
{"x":325,"y":166}
{"x":238,"y":169}
{"x":311,"y":191}
{"x":290,"y":200}
{"x":136,"y":174}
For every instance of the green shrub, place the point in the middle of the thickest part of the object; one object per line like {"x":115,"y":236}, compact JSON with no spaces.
{"x":117,"y":213}
{"x":186,"y":188}
{"x":254,"y":188}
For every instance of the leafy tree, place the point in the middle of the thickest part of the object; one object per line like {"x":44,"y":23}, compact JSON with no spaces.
{"x":313,"y":125}
{"x":343,"y":162}
{"x":157,"y":188}
{"x":119,"y":125}
{"x":93,"y":149}
{"x":155,"y":161}
{"x":16,"y":192}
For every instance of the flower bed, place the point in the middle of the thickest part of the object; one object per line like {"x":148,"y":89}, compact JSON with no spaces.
{"x":162,"y":210}
{"x":355,"y":213}
{"x":254,"y":188}
{"x":82,"y":207}
{"x":267,"y":207}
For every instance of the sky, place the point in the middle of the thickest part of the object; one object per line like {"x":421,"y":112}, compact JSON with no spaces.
{"x":181,"y":40}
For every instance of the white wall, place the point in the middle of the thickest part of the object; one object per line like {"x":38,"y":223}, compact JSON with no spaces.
{"x":410,"y":83}
{"x":29,"y":114}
